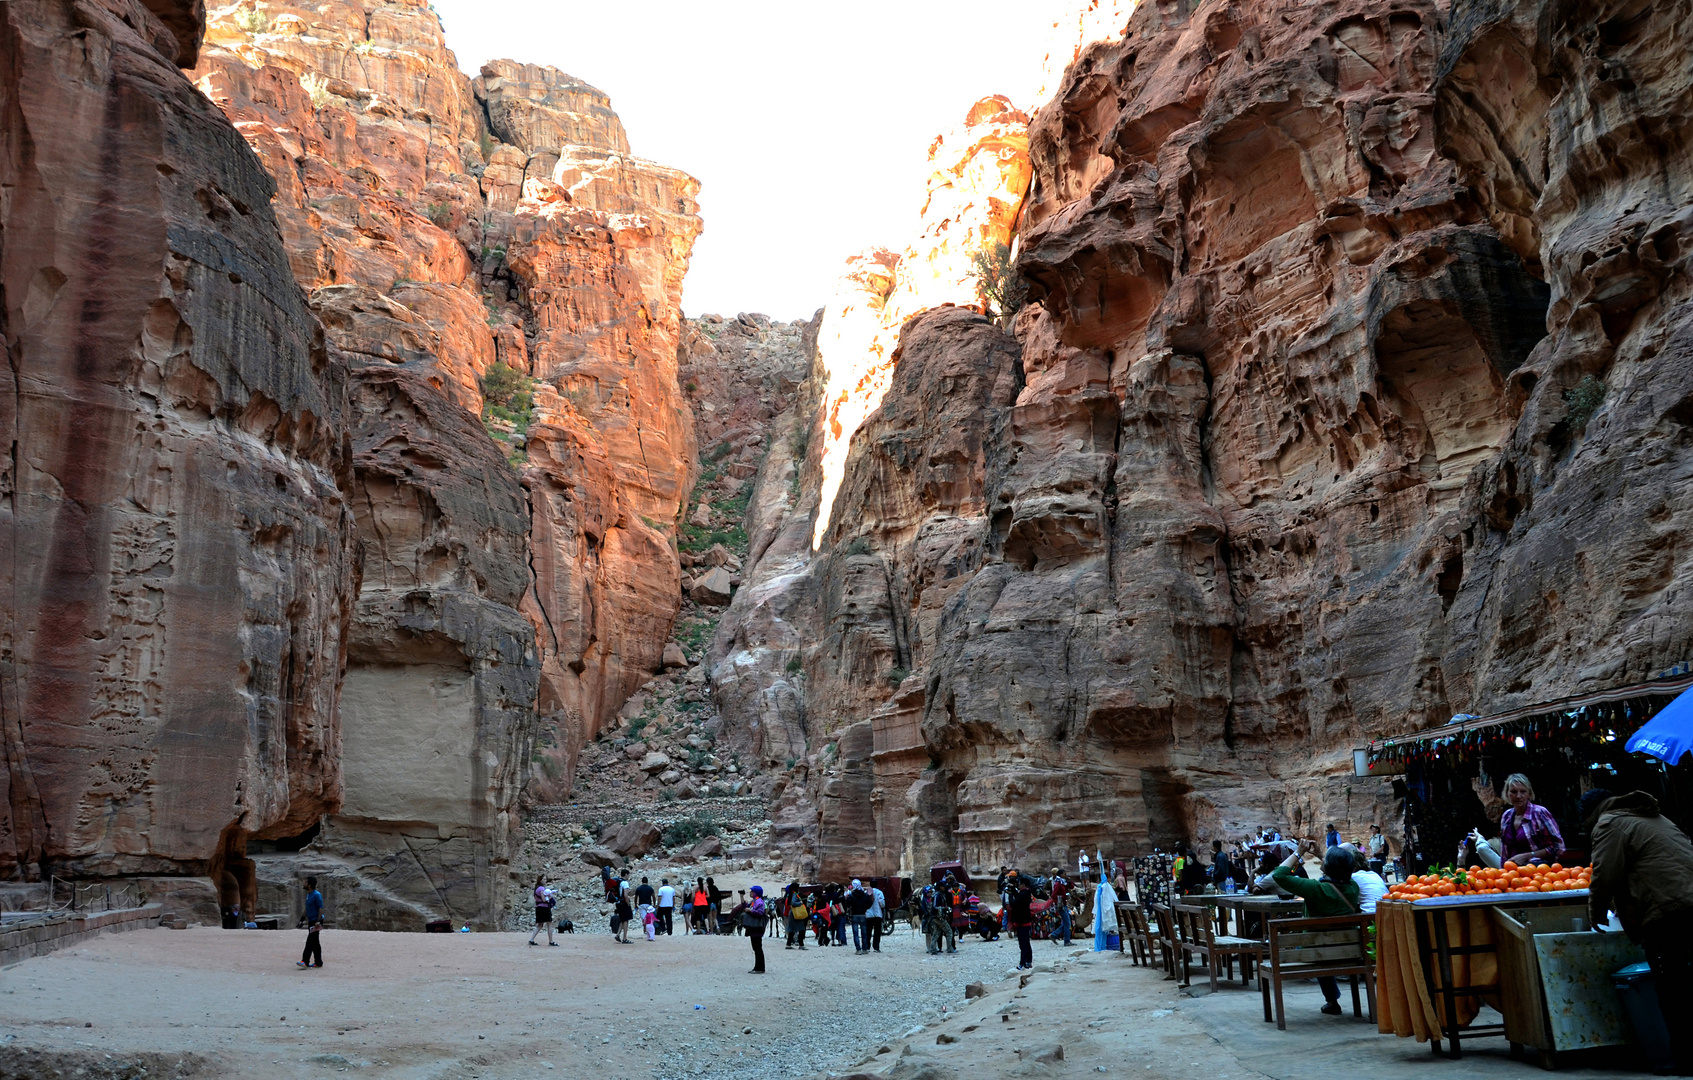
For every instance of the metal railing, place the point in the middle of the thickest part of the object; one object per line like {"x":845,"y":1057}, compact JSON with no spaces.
{"x":90,"y":896}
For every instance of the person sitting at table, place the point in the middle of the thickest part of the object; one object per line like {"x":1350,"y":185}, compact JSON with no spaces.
{"x":1334,"y":894}
{"x":1265,"y":880}
{"x":1528,"y":831}
{"x":1371,"y":885}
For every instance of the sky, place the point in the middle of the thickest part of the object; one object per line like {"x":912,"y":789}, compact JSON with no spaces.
{"x":806,"y":122}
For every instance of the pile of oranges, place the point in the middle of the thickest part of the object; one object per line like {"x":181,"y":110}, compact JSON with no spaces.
{"x":1486,"y":881}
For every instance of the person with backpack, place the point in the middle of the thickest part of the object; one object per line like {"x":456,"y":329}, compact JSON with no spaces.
{"x":1334,"y":894}
{"x":605,"y":881}
{"x":314,"y":926}
{"x":545,"y":899}
{"x":753,"y":916}
{"x":621,"y":917}
{"x":799,"y":916}
{"x":857,"y":905}
{"x":1022,"y":921}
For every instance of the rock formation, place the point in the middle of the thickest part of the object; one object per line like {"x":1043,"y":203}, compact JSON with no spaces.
{"x":178,"y":543}
{"x":518,"y":576}
{"x":443,"y":225}
{"x":1353,"y":392}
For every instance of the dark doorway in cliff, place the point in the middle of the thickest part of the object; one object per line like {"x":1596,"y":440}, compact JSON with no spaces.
{"x":1444,"y":391}
{"x":233,"y":873}
{"x":1450,"y":577}
{"x":1165,"y":798}
{"x":286,"y":843}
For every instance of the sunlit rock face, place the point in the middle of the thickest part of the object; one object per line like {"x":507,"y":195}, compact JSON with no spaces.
{"x":977,"y":174}
{"x":442,"y":224}
{"x":178,"y":550}
{"x":1289,"y":458}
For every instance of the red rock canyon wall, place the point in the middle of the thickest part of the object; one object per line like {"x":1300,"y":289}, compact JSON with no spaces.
{"x":179,"y":567}
{"x":1279,"y":457}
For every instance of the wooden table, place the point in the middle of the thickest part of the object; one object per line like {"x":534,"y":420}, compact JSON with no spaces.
{"x":1425,"y":947}
{"x":1247,"y":908}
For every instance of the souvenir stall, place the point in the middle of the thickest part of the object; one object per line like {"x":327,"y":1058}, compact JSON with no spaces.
{"x":1454,"y":938}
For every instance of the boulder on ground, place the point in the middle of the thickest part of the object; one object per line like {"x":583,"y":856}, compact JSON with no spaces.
{"x":598,"y":856}
{"x":655,"y":762}
{"x":674,"y":656}
{"x":721,"y":556}
{"x":701,"y":516}
{"x":635,"y":751}
{"x":632,"y":838}
{"x":713,"y":588}
{"x":974,"y":990}
{"x":709,"y":848}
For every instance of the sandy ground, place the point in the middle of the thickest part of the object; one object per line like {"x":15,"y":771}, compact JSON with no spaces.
{"x":223,"y":1003}
{"x":472,"y":1005}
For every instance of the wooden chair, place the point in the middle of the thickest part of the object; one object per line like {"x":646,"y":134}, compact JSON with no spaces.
{"x":1136,"y":934}
{"x":1164,"y":937}
{"x":1196,"y":931}
{"x":1337,"y":947}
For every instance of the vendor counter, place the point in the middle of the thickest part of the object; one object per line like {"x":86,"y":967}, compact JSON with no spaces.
{"x":1530,"y":956}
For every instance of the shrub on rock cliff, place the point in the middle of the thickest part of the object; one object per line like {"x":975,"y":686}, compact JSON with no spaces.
{"x":1584,"y":399}
{"x":1000,"y":286}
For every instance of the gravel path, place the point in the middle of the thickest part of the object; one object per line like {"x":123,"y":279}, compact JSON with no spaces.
{"x":471,"y":1005}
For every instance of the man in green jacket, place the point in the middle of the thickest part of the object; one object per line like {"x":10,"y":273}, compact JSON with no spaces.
{"x":1335,"y":894}
{"x":1643,"y":870}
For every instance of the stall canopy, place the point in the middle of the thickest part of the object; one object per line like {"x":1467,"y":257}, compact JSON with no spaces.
{"x":1668,"y":736}
{"x":1604,"y":715}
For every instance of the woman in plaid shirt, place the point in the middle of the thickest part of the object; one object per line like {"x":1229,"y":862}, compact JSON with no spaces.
{"x":1527,"y":829}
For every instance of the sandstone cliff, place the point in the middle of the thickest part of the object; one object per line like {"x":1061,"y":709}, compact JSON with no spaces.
{"x":443,"y":225}
{"x":178,"y":560}
{"x":1353,"y":392}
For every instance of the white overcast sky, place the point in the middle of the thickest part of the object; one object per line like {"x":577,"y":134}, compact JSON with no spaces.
{"x":805,"y":122}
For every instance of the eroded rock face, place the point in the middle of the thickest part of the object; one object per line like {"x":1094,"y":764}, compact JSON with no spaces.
{"x":443,"y":224}
{"x":178,"y":565}
{"x":1290,"y":460}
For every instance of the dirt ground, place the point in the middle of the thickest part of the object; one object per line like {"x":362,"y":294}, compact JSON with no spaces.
{"x":209,"y":1002}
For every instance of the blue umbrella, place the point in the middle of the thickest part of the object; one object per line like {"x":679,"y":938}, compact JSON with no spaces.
{"x":1668,"y":736}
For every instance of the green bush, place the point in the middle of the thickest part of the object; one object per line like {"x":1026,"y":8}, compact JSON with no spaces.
{"x":897,"y":676}
{"x":858,"y":545}
{"x":636,"y":726}
{"x":1000,"y":286}
{"x":253,"y":22}
{"x":689,"y":831}
{"x":439,"y":214}
{"x":794,"y":665}
{"x":1584,"y":399}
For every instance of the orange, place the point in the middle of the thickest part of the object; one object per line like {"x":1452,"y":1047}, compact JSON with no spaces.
{"x":1557,"y":866}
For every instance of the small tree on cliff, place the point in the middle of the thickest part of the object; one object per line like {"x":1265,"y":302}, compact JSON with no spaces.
{"x":998,"y":283}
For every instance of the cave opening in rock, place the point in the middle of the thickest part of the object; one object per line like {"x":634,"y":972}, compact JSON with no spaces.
{"x":1449,"y":398}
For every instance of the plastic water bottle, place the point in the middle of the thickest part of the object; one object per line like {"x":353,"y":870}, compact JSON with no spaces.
{"x":1228,"y":886}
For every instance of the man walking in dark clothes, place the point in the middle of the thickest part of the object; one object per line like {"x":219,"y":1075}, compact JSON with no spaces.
{"x":314,"y":924}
